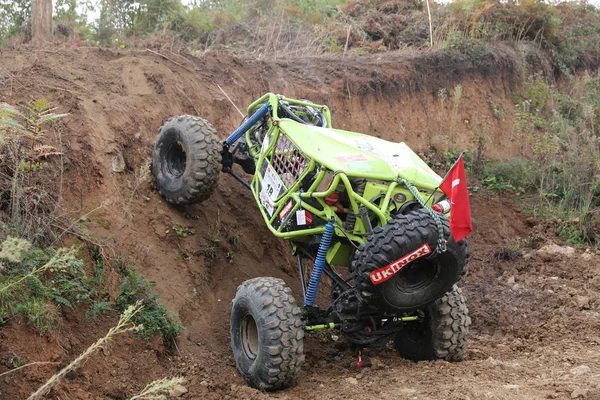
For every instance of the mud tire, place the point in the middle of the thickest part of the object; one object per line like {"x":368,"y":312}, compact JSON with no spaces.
{"x":443,"y":333}
{"x":267,"y":334}
{"x":418,"y":283}
{"x":186,"y":160}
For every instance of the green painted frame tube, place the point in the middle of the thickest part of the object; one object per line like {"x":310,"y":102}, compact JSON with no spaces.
{"x":332,"y":325}
{"x":327,"y":212}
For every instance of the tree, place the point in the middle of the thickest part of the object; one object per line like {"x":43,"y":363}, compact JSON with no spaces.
{"x":41,"y":21}
{"x":14,"y":15}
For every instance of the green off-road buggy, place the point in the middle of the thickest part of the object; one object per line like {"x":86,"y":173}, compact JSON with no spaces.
{"x":363,"y":211}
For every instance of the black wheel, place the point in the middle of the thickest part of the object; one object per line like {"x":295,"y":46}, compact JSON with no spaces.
{"x":442,"y":334}
{"x":267,"y":334}
{"x":186,"y":160}
{"x":419,"y":276}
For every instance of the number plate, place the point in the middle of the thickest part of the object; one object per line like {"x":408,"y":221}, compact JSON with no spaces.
{"x":270,"y":190}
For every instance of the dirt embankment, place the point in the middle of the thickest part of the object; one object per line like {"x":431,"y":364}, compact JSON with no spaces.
{"x":528,"y":328}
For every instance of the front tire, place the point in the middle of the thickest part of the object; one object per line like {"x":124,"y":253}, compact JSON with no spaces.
{"x":186,"y":160}
{"x":267,"y":334}
{"x":443,"y":334}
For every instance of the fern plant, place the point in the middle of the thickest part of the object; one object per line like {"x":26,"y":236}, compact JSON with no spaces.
{"x":24,"y":150}
{"x":98,"y":307}
{"x":36,"y":285}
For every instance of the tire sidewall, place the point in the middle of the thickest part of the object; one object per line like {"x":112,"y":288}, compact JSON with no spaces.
{"x":421,"y":349}
{"x":446,"y":325}
{"x":280,"y":332}
{"x":447,"y":266}
{"x":243,"y":306}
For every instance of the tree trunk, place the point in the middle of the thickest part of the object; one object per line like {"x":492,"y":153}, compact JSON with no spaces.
{"x":41,"y":22}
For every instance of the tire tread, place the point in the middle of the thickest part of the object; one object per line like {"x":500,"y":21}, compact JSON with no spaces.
{"x":284,"y":353}
{"x":204,"y":165}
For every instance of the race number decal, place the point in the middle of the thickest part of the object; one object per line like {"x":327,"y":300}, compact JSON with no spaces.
{"x":271,"y":184}
{"x":271,"y":188}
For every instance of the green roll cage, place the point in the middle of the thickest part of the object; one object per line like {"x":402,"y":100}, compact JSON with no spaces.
{"x":383,"y":192}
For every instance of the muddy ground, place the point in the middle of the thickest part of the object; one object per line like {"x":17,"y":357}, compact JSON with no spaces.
{"x":536,"y":316}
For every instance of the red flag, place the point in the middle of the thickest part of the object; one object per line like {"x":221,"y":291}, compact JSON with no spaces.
{"x":455,"y":187}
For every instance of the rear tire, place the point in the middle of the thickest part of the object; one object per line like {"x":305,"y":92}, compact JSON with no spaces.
{"x":267,"y":334}
{"x":420,"y":281}
{"x":441,"y":335}
{"x":186,"y":160}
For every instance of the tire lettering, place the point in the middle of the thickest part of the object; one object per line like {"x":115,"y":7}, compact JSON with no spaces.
{"x":383,"y":274}
{"x":375,"y":277}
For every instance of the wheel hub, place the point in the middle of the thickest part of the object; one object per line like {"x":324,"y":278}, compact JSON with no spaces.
{"x":416,"y":276}
{"x":176,"y":160}
{"x":249,"y":336}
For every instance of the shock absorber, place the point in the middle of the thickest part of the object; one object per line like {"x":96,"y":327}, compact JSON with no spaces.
{"x":320,"y":260}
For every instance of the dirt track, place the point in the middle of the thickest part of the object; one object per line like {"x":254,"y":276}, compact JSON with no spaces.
{"x":532,"y":336}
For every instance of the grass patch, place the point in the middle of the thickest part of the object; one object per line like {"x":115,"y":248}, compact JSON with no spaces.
{"x":154,"y":317}
{"x":38,"y":285}
{"x":561,"y":174}
{"x":33,"y":284}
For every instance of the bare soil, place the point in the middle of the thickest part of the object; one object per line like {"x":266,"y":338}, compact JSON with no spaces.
{"x":532,"y":333}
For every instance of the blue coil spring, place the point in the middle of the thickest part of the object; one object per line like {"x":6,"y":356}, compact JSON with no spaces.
{"x":239,"y":132}
{"x":315,"y":277}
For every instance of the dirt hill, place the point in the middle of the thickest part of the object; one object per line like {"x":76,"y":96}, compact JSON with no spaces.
{"x":535,"y":315}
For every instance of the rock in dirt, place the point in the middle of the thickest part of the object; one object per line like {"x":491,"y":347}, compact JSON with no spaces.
{"x":579,"y":393}
{"x":552,"y":249}
{"x":583,"y":302}
{"x":377,"y":364}
{"x":117,"y":162}
{"x":592,"y":314}
{"x":580,"y":370}
{"x":493,"y":362}
{"x":511,"y":387}
{"x":178,"y":391}
{"x":352,"y":381}
{"x":586,"y":256}
{"x":407,"y":391}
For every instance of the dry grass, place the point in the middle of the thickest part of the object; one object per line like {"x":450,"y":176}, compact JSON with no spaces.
{"x":123,"y":326}
{"x":158,"y":390}
{"x":57,"y":262}
{"x":30,"y":179}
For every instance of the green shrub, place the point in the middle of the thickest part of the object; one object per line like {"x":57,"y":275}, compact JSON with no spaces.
{"x":25,"y":290}
{"x":562,"y":174}
{"x":35,"y":287}
{"x":538,"y":92}
{"x":517,"y":175}
{"x":154,"y":315}
{"x":40,"y":314}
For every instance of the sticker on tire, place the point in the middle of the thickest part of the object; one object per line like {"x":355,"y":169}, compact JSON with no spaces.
{"x":383,"y":274}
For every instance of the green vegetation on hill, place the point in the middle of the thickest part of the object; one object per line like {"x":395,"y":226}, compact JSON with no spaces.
{"x":556,"y":114}
{"x":561,"y":179}
{"x":569,"y":32}
{"x":39,"y":286}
